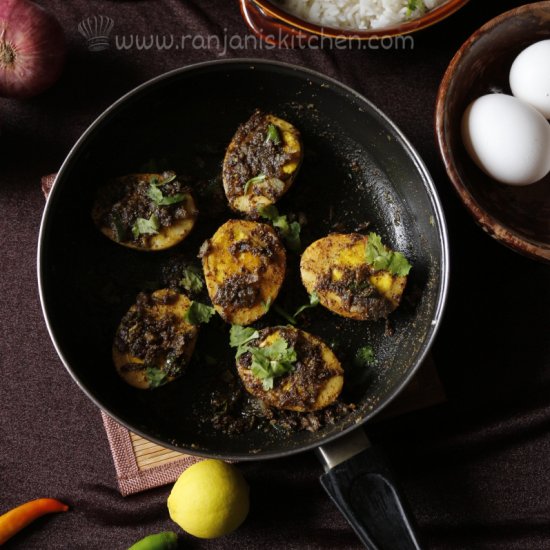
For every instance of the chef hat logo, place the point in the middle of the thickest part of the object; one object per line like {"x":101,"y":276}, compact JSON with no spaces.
{"x":96,"y":31}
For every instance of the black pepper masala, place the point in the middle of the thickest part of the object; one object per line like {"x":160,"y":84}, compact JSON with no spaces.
{"x":254,"y":155}
{"x":356,"y":291}
{"x":154,"y":339}
{"x":122,"y":201}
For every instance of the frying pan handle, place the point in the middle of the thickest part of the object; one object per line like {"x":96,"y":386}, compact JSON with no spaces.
{"x":363,"y":489}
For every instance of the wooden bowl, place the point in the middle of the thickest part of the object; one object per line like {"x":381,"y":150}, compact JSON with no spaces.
{"x":268,"y":20}
{"x":519,"y":217}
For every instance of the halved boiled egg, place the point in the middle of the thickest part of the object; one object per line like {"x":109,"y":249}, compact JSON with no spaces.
{"x":154,"y":343}
{"x":145,"y":211}
{"x":335,"y":268}
{"x":244,"y":266}
{"x":261,"y":162}
{"x":303,"y":373}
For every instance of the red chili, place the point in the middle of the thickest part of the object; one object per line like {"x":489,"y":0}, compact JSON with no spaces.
{"x":13,"y":521}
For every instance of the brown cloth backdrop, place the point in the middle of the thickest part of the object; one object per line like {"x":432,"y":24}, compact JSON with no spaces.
{"x":476,"y":470}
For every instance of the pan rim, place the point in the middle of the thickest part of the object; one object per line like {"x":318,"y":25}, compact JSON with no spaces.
{"x":429,"y":185}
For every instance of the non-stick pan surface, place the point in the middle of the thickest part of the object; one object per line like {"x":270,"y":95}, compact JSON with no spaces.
{"x":358,"y":168}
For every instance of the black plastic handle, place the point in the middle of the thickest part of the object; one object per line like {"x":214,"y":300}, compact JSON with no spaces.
{"x":363,"y":489}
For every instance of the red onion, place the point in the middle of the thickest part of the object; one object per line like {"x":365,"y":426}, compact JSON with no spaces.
{"x":32,"y":49}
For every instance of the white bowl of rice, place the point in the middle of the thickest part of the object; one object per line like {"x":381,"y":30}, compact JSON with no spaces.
{"x":352,"y":19}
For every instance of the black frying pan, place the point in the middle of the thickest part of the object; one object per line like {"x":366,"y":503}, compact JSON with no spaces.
{"x":358,"y":167}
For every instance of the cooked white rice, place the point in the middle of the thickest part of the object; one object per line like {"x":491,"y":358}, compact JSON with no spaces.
{"x":358,"y":14}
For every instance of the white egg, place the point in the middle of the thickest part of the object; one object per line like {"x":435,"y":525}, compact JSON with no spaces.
{"x":507,"y":138}
{"x":530,"y":76}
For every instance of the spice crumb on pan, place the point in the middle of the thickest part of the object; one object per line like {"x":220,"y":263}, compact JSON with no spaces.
{"x":241,"y":413}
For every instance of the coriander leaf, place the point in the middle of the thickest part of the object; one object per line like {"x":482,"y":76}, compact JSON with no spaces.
{"x":278,"y":352}
{"x":253,"y":181}
{"x":156,"y":195}
{"x":199,"y":313}
{"x":269,"y":212}
{"x":173,"y":199}
{"x":165,"y":177}
{"x":168,"y":177}
{"x":375,"y":250}
{"x":145,"y":227}
{"x":290,"y":232}
{"x":399,"y":265}
{"x":261,"y":371}
{"x":273,"y":134}
{"x":381,"y":258}
{"x":273,"y":361}
{"x":364,"y":357}
{"x":238,"y":336}
{"x":293,"y":236}
{"x":278,"y":184}
{"x":284,"y":314}
{"x":313,"y":302}
{"x":191,"y":280}
{"x":281,"y":222}
{"x":267,"y":304}
{"x":413,"y":5}
{"x":155,"y":377}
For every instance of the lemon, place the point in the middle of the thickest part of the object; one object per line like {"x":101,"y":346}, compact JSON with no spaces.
{"x":209,"y":500}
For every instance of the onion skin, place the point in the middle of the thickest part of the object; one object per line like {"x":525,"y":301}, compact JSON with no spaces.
{"x":32,"y":49}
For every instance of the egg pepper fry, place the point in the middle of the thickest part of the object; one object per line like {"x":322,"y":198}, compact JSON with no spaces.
{"x":13,"y":521}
